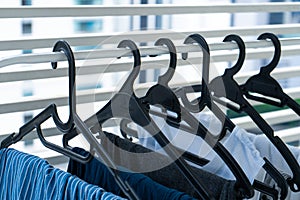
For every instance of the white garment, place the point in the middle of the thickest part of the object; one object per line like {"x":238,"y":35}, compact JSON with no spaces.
{"x":240,"y":147}
{"x":268,"y":150}
{"x":272,"y":154}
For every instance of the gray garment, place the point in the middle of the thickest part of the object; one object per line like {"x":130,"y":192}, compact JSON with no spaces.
{"x":161,"y":169}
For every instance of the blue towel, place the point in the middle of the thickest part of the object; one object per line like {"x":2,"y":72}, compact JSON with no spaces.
{"x":27,"y":177}
{"x":145,"y":188}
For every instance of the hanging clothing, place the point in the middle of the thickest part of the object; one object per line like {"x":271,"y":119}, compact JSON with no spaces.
{"x":240,"y":147}
{"x":268,"y":150}
{"x":96,"y":173}
{"x":247,"y":148}
{"x":162,"y":169}
{"x":24,"y":176}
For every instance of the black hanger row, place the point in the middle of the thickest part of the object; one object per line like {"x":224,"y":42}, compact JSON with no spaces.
{"x":225,"y":86}
{"x":138,"y":110}
{"x":205,"y":100}
{"x":162,"y":95}
{"x":126,"y":105}
{"x":127,"y":86}
{"x":235,"y":93}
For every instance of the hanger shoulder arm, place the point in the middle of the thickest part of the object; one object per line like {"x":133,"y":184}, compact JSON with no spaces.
{"x":28,"y":127}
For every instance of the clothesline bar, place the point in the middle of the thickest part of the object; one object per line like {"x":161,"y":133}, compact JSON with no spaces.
{"x":33,"y":42}
{"x":111,"y":53}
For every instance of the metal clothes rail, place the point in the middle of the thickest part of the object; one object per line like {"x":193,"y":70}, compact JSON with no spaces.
{"x":145,"y":51}
{"x":31,"y":42}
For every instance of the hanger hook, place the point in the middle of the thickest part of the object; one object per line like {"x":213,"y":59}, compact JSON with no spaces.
{"x":137,"y":62}
{"x":165,"y":78}
{"x":242,"y":55}
{"x":277,"y":53}
{"x":63,"y":46}
{"x":205,"y":95}
{"x":196,"y":38}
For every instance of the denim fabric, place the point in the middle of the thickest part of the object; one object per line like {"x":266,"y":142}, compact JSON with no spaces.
{"x":27,"y":177}
{"x":96,"y":173}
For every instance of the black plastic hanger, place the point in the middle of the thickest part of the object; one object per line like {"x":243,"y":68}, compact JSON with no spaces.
{"x":126,"y":105}
{"x":206,"y":99}
{"x":51,"y":111}
{"x":244,"y":187}
{"x":79,"y":126}
{"x":226,"y":86}
{"x":220,"y":86}
{"x":231,"y":90}
{"x":161,"y":94}
{"x":263,"y":83}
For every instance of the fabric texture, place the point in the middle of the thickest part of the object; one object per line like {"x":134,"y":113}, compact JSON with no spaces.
{"x":240,"y":147}
{"x":27,"y":177}
{"x":244,"y":147}
{"x":95,"y":172}
{"x":161,"y":169}
{"x":268,"y":150}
